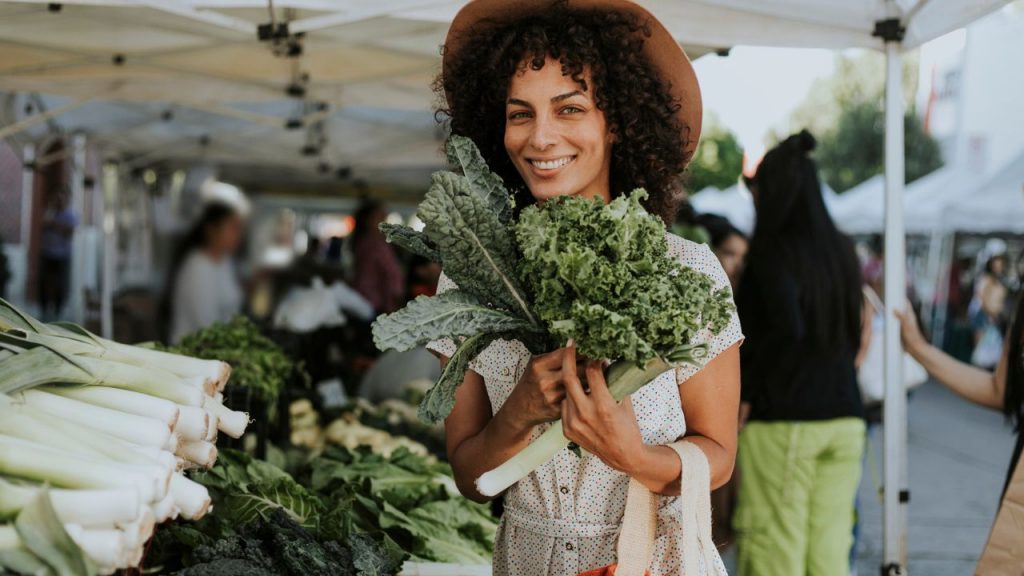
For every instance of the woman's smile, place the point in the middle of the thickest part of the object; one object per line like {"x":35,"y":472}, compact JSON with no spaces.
{"x":550,"y":168}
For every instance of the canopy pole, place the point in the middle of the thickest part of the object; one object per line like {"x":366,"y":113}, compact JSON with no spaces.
{"x":76,"y":303}
{"x":897,"y":493}
{"x":111,"y":177}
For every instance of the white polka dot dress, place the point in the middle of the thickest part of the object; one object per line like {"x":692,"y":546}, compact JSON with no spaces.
{"x":564,"y":518}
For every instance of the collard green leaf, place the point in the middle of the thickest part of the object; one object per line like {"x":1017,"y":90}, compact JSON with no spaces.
{"x":43,"y":535}
{"x":453,"y":314}
{"x":462,"y":152}
{"x":440,"y":399}
{"x":263,"y":498}
{"x":477,"y":249}
{"x":411,"y":240}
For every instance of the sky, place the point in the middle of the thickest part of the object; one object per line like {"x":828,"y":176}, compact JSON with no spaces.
{"x":754,"y":89}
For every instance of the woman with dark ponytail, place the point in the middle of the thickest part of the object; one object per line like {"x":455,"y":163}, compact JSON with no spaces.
{"x":800,"y":305}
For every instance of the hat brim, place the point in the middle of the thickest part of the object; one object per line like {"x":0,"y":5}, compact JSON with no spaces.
{"x":660,"y":48}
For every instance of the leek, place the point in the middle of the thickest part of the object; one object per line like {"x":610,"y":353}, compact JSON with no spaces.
{"x":624,"y":378}
{"x":124,"y":400}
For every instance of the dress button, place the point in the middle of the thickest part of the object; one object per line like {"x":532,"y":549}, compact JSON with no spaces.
{"x":564,"y":489}
{"x":505,"y":371}
{"x":569,"y":546}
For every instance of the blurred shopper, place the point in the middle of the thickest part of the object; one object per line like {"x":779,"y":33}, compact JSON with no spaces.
{"x":728,"y":243}
{"x":377,"y":275}
{"x":1002,"y":389}
{"x":730,"y":246}
{"x":988,"y":305}
{"x":203,"y":287}
{"x":59,"y":223}
{"x":800,"y":304}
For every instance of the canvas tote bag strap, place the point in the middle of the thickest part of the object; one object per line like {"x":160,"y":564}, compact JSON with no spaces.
{"x":639,"y":522}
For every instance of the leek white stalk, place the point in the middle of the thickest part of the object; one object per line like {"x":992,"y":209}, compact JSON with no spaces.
{"x":191,"y":498}
{"x":130,"y":427}
{"x":623,"y":379}
{"x":199,"y":452}
{"x":212,"y":370}
{"x":42,"y":463}
{"x":27,"y":423}
{"x":85,"y":507}
{"x":9,"y":539}
{"x":173,"y":442}
{"x":211,"y":431}
{"x":39,"y":366}
{"x":193,"y":423}
{"x":139,"y":530}
{"x":229,"y":421}
{"x":165,"y":509}
{"x":104,"y":546}
{"x":123,"y":400}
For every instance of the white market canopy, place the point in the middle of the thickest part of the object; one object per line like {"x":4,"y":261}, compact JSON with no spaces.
{"x":995,"y":206}
{"x":370,"y":63}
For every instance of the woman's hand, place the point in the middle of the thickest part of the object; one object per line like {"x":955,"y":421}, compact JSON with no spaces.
{"x":538,"y":396}
{"x":910,"y":332}
{"x":594,"y":421}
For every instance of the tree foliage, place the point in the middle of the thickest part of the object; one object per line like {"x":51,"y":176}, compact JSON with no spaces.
{"x":846,"y":114}
{"x":718,"y":160}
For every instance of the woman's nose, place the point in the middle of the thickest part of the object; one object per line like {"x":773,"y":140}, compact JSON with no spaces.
{"x":543,"y":134}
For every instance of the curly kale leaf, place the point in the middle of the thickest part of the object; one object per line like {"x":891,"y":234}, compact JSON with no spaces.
{"x":600,"y":274}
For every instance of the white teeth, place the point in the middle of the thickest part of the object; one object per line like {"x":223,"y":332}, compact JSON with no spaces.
{"x":551,"y":164}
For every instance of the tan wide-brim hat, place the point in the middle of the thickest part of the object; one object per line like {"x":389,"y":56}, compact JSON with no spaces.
{"x":660,"y":48}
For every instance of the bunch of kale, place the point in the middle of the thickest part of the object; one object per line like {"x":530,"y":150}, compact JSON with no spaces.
{"x":568,"y":268}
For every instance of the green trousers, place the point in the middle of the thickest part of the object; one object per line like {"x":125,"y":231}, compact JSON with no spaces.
{"x":795,"y":512}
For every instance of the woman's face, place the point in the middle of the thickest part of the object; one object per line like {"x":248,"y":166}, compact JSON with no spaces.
{"x":225,"y":236}
{"x":997,"y":266}
{"x":555,"y":135}
{"x":731,"y":253}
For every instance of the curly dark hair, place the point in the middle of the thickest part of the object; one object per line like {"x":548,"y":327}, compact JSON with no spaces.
{"x":640,"y":110}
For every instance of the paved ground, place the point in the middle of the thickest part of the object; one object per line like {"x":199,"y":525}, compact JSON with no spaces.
{"x":958,"y":455}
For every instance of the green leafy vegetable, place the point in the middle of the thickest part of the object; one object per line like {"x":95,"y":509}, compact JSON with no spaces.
{"x":257,"y":363}
{"x":452,"y":314}
{"x":601,"y":275}
{"x":484,"y":183}
{"x":411,"y":240}
{"x":478,"y":252}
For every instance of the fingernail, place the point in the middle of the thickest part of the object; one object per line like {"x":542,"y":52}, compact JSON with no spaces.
{"x":570,"y":343}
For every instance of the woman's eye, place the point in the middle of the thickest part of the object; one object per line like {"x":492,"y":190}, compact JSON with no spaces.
{"x":518,"y":115}
{"x":572,"y":110}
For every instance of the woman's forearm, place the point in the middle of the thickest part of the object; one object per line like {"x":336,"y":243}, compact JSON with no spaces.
{"x":974,"y":384}
{"x":659,"y":468}
{"x":503,"y":437}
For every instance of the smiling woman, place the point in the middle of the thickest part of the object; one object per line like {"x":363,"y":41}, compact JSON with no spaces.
{"x":593,"y":99}
{"x":570,"y":71}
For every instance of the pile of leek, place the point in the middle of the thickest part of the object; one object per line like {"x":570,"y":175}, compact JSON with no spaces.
{"x":105,"y":431}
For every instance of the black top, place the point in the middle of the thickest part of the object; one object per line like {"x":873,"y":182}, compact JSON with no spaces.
{"x":1015,"y":459}
{"x":785,"y":375}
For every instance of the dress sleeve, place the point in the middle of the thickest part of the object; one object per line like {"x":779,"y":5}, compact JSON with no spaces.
{"x":444,"y":346}
{"x":704,"y":260}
